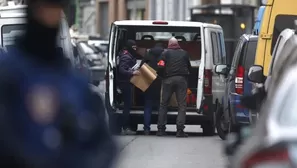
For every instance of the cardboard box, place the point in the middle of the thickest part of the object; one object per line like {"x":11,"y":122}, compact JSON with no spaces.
{"x":146,"y":77}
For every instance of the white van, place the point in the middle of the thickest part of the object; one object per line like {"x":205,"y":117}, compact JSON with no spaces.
{"x":13,"y":23}
{"x":205,"y":45}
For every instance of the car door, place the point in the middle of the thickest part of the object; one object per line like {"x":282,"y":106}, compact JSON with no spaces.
{"x":110,"y":66}
{"x":218,"y":81}
{"x":232,"y":73}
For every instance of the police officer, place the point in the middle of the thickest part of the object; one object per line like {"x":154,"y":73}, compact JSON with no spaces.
{"x":48,"y":115}
{"x":127,"y":59}
{"x":152,"y":95}
{"x":177,"y":67}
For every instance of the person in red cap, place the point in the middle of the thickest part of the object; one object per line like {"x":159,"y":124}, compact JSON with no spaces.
{"x":177,"y":65}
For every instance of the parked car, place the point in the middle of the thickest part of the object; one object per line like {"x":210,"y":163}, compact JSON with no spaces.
{"x":96,"y":61}
{"x":81,"y":62}
{"x":286,"y":43}
{"x":206,"y":86}
{"x":272,"y":142}
{"x":237,"y":85}
{"x":101,"y":45}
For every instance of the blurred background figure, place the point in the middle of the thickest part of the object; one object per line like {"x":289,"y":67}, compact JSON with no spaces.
{"x":49,"y":116}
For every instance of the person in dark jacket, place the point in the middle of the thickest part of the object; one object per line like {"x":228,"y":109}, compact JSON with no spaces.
{"x":49,"y":116}
{"x":177,"y":67}
{"x":126,"y":61}
{"x":152,"y":95}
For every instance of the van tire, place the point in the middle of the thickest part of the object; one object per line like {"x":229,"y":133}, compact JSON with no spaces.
{"x":208,"y":128}
{"x":134,"y":127}
{"x":221,"y":132}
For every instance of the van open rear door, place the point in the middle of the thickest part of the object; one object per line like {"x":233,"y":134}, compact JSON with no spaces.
{"x":201,"y":72}
{"x":110,"y":66}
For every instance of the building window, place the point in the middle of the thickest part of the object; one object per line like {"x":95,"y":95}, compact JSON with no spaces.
{"x":138,"y":15}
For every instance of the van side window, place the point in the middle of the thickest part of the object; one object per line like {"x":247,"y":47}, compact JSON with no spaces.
{"x":215,"y":48}
{"x":274,"y":54}
{"x":222,"y":47}
{"x":282,"y":22}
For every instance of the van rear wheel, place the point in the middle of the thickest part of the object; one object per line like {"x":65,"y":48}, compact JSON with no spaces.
{"x":134,"y":127}
{"x":208,"y":129}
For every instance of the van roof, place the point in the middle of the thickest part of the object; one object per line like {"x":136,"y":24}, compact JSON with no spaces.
{"x":170,"y":23}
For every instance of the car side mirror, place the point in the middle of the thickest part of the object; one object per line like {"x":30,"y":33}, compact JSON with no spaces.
{"x":221,"y":69}
{"x":256,"y":74}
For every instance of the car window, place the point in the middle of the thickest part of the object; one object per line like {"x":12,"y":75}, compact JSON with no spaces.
{"x":215,"y":48}
{"x":282,"y":22}
{"x":222,"y":47}
{"x":250,"y":54}
{"x":242,"y":54}
{"x":237,"y":53}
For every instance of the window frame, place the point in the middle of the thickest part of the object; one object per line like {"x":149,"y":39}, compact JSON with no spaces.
{"x":213,"y":46}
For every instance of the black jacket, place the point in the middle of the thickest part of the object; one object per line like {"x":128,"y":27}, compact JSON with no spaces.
{"x":177,"y":62}
{"x":126,"y":62}
{"x":153,"y":56}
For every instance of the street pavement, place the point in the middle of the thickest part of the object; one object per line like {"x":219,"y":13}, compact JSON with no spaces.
{"x":196,"y":151}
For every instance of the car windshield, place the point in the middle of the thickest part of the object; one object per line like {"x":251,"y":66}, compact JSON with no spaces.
{"x":10,"y":32}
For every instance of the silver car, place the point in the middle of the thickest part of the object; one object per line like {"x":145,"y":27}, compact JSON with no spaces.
{"x":272,"y":140}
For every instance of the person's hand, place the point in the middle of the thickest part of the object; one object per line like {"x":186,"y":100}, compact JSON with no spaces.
{"x":136,"y":73}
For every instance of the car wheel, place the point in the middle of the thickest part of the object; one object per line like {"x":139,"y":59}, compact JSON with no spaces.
{"x":208,"y":129}
{"x":221,"y":125}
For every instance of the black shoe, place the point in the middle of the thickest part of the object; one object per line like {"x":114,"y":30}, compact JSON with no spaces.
{"x":147,"y":132}
{"x":181,"y":134}
{"x":161,"y":133}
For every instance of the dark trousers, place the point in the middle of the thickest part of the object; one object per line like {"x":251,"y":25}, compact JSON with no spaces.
{"x":170,"y":85}
{"x":126,"y":89}
{"x":150,"y":102}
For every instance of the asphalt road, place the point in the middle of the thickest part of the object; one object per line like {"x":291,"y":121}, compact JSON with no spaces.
{"x":151,"y":151}
{"x":196,"y":151}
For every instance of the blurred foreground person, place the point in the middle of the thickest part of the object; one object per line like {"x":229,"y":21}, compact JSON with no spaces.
{"x":176,"y":62}
{"x":49,"y":118}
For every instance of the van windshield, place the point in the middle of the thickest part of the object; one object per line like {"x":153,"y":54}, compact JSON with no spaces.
{"x":147,"y":36}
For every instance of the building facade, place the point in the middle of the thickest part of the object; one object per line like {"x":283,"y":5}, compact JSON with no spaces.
{"x":107,"y":11}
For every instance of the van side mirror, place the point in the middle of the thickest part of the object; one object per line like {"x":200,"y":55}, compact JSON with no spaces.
{"x":221,"y":69}
{"x":256,"y":74}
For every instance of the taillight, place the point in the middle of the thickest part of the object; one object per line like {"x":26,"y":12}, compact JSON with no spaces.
{"x":239,"y":80}
{"x":207,"y":81}
{"x":270,"y":158}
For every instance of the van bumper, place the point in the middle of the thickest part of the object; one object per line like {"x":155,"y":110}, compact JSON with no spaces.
{"x":241,"y":115}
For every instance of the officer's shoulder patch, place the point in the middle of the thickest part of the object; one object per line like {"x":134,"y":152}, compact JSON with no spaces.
{"x":42,"y":103}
